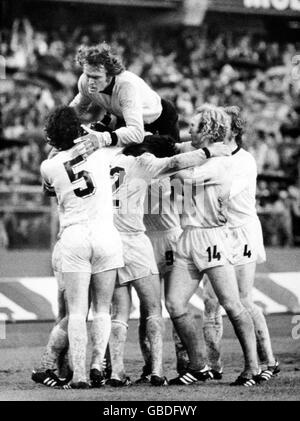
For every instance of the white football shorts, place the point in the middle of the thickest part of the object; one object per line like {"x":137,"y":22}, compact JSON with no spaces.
{"x":247,"y":243}
{"x":86,"y":248}
{"x":164,"y":245}
{"x":199,"y":249}
{"x":139,"y":260}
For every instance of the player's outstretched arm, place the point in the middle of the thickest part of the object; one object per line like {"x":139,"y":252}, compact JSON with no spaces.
{"x":156,"y":167}
{"x":198,"y":157}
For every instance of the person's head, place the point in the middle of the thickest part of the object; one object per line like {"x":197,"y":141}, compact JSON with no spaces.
{"x":237,"y":124}
{"x":99,"y":64}
{"x":209,"y":125}
{"x":162,"y":146}
{"x":62,"y":127}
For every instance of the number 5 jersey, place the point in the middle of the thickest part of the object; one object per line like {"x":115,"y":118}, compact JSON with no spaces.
{"x":82,"y":186}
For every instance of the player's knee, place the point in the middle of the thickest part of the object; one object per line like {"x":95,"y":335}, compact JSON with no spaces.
{"x":247,"y":302}
{"x":232,"y":307}
{"x":120,"y":313}
{"x":211,"y":307}
{"x":175,"y":307}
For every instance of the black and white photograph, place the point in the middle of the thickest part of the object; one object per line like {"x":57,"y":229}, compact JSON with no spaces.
{"x":149,"y":203}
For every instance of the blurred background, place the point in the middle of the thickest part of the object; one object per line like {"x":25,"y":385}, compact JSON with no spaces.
{"x":233,"y":52}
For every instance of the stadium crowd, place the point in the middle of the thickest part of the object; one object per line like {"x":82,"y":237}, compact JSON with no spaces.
{"x":189,"y":67}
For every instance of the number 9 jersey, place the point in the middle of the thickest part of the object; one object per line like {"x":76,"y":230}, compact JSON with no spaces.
{"x":82,"y":186}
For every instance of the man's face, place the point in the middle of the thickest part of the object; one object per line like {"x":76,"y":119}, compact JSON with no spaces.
{"x":97,"y":78}
{"x":196,"y":138}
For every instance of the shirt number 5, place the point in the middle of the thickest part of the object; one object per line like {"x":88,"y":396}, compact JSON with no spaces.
{"x":76,"y":177}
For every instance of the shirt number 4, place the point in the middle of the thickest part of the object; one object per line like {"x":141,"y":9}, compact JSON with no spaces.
{"x":247,"y":252}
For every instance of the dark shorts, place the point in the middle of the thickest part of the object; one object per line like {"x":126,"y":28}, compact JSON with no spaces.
{"x":166,"y":124}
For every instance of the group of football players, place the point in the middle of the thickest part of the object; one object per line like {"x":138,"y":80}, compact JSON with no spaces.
{"x":138,"y":208}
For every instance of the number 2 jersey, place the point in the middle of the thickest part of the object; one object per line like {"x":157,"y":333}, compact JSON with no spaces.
{"x":82,"y":186}
{"x":132,"y":177}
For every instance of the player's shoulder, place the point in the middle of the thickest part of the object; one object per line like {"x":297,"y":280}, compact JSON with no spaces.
{"x":128,"y":80}
{"x":47,"y":165}
{"x":242,"y":153}
{"x":245,"y":157}
{"x":121,"y":160}
{"x":44,"y":166}
{"x":127,"y":76}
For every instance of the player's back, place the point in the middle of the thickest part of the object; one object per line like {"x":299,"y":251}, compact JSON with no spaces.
{"x":82,"y":186}
{"x":206,"y":194}
{"x":160,"y":210}
{"x":242,"y":197}
{"x":132,"y":177}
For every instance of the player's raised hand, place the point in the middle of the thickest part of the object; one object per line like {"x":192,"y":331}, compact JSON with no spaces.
{"x":85,"y":145}
{"x":219,"y":149}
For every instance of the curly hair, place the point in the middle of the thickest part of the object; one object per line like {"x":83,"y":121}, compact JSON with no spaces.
{"x":100,"y":55}
{"x":213,"y":122}
{"x":237,"y":123}
{"x":62,"y":127}
{"x":161,"y":146}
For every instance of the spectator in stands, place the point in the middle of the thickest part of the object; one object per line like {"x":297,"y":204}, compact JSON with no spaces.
{"x":188,"y":67}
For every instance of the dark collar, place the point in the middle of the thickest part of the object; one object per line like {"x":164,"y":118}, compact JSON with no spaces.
{"x":109,"y":88}
{"x":236,"y":150}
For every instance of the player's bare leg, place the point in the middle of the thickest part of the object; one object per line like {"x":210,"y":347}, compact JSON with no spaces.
{"x":77,"y":287}
{"x":224,"y":283}
{"x":65,"y":371}
{"x":144,"y":341}
{"x":121,"y":305}
{"x":245,"y":276}
{"x":212,"y":328}
{"x":148,"y":290}
{"x":182,"y":357}
{"x":102,"y":288}
{"x":55,"y":355}
{"x":178,"y":291}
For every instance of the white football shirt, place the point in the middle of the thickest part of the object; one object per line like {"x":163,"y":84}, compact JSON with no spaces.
{"x":132,"y":177}
{"x":242,"y":196}
{"x":82,"y":186}
{"x":206,"y":191}
{"x":160,"y":211}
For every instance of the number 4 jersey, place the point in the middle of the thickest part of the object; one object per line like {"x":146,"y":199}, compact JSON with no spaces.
{"x":82,"y":186}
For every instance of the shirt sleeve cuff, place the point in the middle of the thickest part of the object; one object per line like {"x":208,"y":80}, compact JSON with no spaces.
{"x":114,"y":138}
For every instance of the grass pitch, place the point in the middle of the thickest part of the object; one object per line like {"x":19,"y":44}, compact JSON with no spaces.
{"x":22,"y":348}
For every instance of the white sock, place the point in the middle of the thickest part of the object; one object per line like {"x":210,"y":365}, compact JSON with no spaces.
{"x":117,"y":342}
{"x":77,"y":332}
{"x":57,"y":343}
{"x":100,"y":332}
{"x":154,"y":329}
